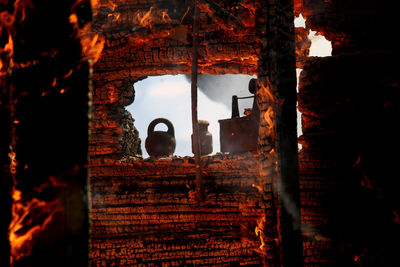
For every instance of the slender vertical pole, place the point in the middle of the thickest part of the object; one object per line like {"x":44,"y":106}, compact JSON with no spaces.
{"x":195,"y":125}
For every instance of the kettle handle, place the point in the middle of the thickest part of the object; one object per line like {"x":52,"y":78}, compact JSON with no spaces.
{"x":153,"y":124}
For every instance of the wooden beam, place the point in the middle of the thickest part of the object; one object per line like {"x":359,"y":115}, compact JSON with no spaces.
{"x":49,"y":135}
{"x":5,"y":174}
{"x":195,"y":125}
{"x":282,"y":77}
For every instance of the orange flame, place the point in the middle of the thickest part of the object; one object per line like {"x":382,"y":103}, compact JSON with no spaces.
{"x":146,"y":19}
{"x":68,"y":74}
{"x":20,"y":6}
{"x":266,"y":94}
{"x":13,"y":162}
{"x":30,"y":214}
{"x":7,"y":21}
{"x":9,"y":50}
{"x":260,"y":231}
{"x":165,"y":17}
{"x":151,"y":17}
{"x":92,"y":43}
{"x":269,"y":115}
{"x":9,"y":47}
{"x":92,"y":46}
{"x":21,"y":233}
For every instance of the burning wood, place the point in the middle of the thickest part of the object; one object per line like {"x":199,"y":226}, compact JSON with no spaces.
{"x":30,"y":216}
{"x":33,"y":212}
{"x":92,"y":43}
{"x":150,"y":18}
{"x":140,"y":19}
{"x":260,"y":228}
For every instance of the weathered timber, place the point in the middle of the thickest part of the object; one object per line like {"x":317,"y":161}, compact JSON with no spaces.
{"x":195,"y":121}
{"x":5,"y":161}
{"x":349,"y":103}
{"x":281,"y":79}
{"x":146,"y":212}
{"x":346,"y":177}
{"x":51,"y":132}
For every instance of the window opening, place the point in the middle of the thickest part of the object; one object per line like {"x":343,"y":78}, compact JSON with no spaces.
{"x":168,"y":96}
{"x":320,"y":46}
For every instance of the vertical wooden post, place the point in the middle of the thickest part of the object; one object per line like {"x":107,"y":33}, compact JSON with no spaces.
{"x":195,"y":125}
{"x":282,"y":78}
{"x":49,"y":82}
{"x":5,"y":174}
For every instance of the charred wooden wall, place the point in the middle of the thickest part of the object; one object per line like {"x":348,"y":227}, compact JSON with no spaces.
{"x":350,"y":104}
{"x":143,"y":211}
{"x":133,"y":52}
{"x":227,"y":45}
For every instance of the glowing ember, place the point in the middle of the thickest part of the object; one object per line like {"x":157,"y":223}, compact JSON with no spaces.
{"x":365,"y":182}
{"x":396,"y":217}
{"x":68,"y":74}
{"x":184,"y":15}
{"x":357,"y":162}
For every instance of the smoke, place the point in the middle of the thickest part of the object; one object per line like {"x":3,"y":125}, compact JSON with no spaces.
{"x":308,"y":230}
{"x":169,"y":96}
{"x":291,"y":208}
{"x":220,"y":88}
